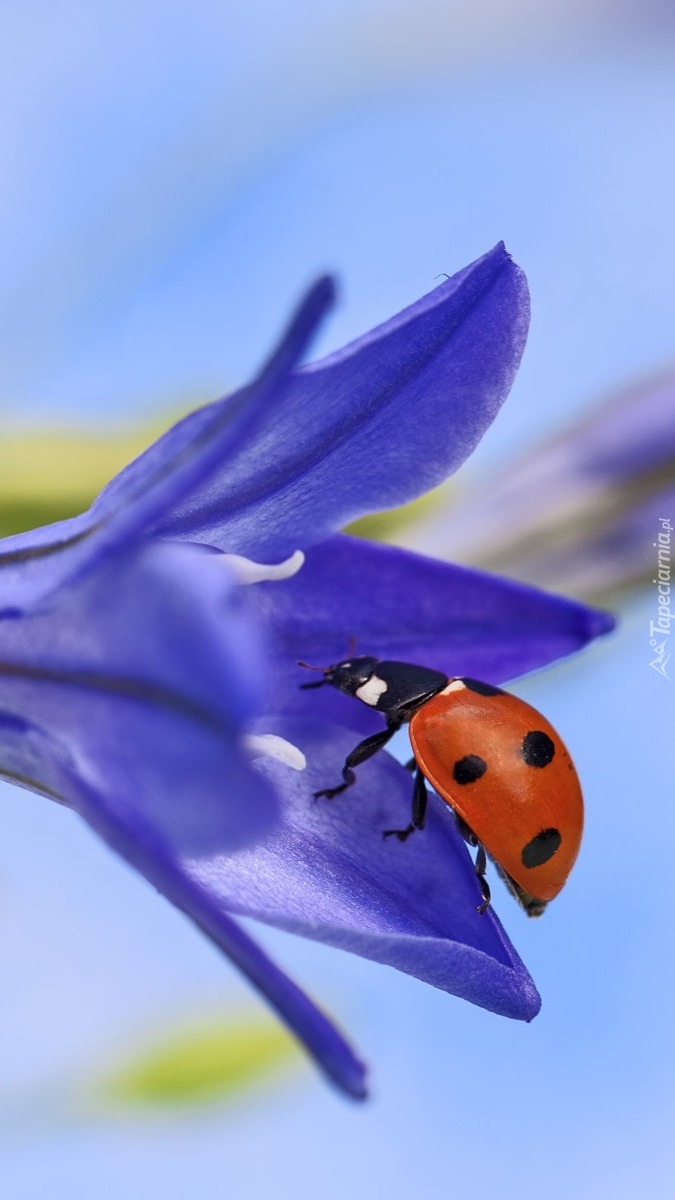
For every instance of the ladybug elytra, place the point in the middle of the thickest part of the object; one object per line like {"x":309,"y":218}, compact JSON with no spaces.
{"x":494,"y":759}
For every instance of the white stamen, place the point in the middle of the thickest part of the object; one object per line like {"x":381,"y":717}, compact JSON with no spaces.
{"x":270,"y":745}
{"x":247,"y":571}
{"x":371,"y":691}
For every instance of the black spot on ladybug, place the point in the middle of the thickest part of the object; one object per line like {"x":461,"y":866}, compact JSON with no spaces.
{"x":469,"y":769}
{"x":537,"y":749}
{"x":482,"y":689}
{"x":541,"y":848}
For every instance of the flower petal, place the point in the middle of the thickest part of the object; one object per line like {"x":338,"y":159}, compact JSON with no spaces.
{"x":575,"y":511}
{"x":327,"y":873}
{"x":148,"y":670}
{"x":261,"y":479}
{"x":125,"y":701}
{"x":403,"y":606}
{"x":34,"y":563}
{"x":126,"y":813}
{"x":378,"y":423}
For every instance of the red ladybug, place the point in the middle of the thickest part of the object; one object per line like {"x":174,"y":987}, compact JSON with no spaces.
{"x":495,"y":760}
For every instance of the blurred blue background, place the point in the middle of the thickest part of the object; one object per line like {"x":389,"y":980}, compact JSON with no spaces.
{"x":173,"y":175}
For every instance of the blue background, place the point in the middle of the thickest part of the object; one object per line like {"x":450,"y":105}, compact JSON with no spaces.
{"x":173,"y":176}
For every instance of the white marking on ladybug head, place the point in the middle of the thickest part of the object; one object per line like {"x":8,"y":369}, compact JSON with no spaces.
{"x":371,"y":690}
{"x":270,"y":745}
{"x":247,"y":571}
{"x":455,"y":685}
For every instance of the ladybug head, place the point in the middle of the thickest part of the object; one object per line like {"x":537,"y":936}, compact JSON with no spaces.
{"x":347,"y":676}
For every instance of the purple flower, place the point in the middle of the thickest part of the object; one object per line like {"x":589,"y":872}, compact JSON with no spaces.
{"x":139,"y":681}
{"x":576,"y":511}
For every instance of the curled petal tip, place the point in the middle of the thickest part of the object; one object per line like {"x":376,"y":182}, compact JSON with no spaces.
{"x":600,"y":622}
{"x":325,"y":289}
{"x":317,"y":302}
{"x":308,"y":315}
{"x":359,"y":1090}
{"x":532,"y":1002}
{"x":350,"y":1075}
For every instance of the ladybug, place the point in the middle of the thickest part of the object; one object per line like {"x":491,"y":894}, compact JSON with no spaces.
{"x":496,"y":761}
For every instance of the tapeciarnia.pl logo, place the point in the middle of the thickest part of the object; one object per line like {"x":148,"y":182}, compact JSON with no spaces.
{"x":661,"y":627}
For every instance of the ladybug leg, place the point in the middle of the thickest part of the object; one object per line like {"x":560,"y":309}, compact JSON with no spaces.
{"x":365,"y":750}
{"x":411,"y":764}
{"x":481,"y":867}
{"x":480,"y":864}
{"x":419,"y":810}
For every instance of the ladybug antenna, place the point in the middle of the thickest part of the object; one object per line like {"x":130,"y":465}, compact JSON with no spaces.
{"x":320,"y":682}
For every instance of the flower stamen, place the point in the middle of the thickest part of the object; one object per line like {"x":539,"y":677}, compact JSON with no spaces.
{"x":247,"y":571}
{"x":270,"y":745}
